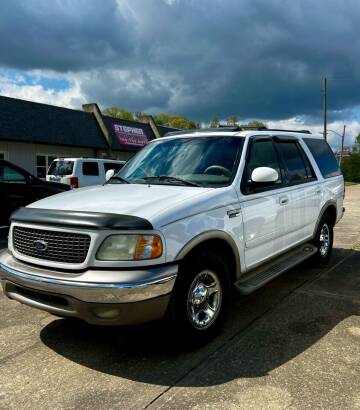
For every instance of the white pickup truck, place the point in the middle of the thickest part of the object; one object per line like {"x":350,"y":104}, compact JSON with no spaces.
{"x":189,"y":218}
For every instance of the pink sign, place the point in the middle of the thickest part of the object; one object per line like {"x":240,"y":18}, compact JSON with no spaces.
{"x":130,"y":135}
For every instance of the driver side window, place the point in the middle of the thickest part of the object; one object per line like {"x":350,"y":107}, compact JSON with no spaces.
{"x":9,"y":175}
{"x":262,"y":154}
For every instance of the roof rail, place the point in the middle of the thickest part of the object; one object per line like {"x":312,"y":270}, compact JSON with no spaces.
{"x":228,"y":127}
{"x":237,"y":128}
{"x":219,"y":129}
{"x":278,"y":129}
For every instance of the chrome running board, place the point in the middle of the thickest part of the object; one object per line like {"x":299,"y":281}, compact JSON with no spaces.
{"x":258,"y":277}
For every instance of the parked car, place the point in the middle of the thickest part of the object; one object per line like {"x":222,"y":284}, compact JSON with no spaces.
{"x":192,"y":216}
{"x":80,"y":172}
{"x":19,"y":188}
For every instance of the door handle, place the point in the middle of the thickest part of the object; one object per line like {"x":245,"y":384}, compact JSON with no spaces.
{"x":233,"y":213}
{"x":284,"y":200}
{"x":318,"y":191}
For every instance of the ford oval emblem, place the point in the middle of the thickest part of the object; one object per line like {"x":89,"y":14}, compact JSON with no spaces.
{"x":40,"y":246}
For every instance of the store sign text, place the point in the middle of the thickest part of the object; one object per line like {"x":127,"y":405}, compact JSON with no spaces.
{"x":130,"y":135}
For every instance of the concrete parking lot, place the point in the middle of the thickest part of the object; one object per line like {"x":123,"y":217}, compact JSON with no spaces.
{"x":293,"y":344}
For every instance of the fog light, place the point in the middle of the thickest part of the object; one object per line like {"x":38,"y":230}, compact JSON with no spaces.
{"x":106,"y":313}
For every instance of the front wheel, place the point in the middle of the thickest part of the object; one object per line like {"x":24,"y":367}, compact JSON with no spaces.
{"x":324,"y":241}
{"x":201,"y":297}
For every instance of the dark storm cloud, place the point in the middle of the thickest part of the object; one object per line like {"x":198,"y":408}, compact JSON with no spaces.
{"x":250,"y":58}
{"x":62,"y":34}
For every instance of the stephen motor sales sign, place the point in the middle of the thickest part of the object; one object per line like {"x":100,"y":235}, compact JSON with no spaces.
{"x":130,"y":135}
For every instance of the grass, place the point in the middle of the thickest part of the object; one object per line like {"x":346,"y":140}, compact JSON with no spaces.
{"x":348,"y":183}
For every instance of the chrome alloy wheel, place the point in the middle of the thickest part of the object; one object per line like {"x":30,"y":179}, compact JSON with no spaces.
{"x":324,"y":240}
{"x":204,"y":299}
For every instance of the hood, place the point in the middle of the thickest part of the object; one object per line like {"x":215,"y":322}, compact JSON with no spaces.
{"x":145,"y":201}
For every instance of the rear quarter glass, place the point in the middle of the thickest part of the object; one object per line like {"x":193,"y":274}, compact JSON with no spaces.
{"x":324,"y":157}
{"x":61,"y":168}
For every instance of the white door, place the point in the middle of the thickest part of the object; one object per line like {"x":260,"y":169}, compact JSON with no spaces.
{"x":264,"y":206}
{"x":304,"y":191}
{"x":90,"y":173}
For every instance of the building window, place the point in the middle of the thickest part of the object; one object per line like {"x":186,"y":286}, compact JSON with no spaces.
{"x":42,"y":164}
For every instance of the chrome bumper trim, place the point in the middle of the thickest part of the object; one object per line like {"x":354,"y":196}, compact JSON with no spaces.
{"x":95,"y":286}
{"x":84,"y":284}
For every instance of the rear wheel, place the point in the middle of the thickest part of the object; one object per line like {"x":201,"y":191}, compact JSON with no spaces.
{"x":324,"y":240}
{"x":201,"y":298}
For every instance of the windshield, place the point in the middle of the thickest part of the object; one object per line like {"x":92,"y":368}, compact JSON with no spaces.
{"x":203,"y":161}
{"x":61,"y":168}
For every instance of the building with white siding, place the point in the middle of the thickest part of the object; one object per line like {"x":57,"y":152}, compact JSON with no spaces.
{"x":33,"y":134}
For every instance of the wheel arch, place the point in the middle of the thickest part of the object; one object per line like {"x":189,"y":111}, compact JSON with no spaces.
{"x":219,"y":241}
{"x":329,"y":207}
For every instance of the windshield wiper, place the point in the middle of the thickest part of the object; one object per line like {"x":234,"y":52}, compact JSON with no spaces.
{"x":119,"y":179}
{"x":170,"y":178}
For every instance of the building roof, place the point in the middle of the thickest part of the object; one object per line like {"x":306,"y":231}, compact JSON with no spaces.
{"x":164,"y":130}
{"x":28,"y":121}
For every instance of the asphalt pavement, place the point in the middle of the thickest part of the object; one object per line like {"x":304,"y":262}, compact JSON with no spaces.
{"x":294,"y":344}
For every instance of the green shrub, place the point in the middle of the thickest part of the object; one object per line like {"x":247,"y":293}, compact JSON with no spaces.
{"x":351,"y":167}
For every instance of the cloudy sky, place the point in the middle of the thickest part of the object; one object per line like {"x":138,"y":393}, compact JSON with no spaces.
{"x":262,"y":59}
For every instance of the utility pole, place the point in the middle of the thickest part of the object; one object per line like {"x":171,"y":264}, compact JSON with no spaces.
{"x":325,"y":107}
{"x":342,"y":145}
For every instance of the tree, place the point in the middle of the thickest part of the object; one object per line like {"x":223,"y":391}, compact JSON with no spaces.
{"x":356,"y":146}
{"x":233,"y":120}
{"x":256,"y":124}
{"x":350,"y":167}
{"x":214,"y":122}
{"x":175,"y":121}
{"x":119,"y":113}
{"x":162,"y":119}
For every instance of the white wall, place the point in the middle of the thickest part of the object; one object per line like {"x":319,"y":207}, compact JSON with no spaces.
{"x":24,"y":154}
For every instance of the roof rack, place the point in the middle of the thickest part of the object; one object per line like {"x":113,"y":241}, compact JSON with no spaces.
{"x":278,"y":129}
{"x":222,"y":129}
{"x":237,"y":128}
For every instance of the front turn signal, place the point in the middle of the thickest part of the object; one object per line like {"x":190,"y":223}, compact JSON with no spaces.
{"x":148,"y":247}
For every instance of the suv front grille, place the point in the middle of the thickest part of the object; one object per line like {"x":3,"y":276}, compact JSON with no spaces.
{"x":66,"y":247}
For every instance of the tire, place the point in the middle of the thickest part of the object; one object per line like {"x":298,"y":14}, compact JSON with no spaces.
{"x":323,"y":241}
{"x":201,"y":298}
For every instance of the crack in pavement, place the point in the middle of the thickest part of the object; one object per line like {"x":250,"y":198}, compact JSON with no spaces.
{"x":328,"y":295}
{"x":17,"y":354}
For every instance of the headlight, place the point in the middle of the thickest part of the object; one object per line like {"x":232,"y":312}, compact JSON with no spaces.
{"x":130,"y":247}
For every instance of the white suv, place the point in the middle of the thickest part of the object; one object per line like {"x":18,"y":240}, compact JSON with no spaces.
{"x":189,"y":218}
{"x":80,"y":172}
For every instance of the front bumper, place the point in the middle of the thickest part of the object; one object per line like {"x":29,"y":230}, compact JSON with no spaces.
{"x":98,"y":296}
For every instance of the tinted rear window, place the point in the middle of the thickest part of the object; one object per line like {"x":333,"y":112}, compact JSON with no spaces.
{"x":324,"y":157}
{"x":90,"y":168}
{"x":61,"y":168}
